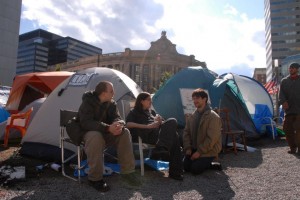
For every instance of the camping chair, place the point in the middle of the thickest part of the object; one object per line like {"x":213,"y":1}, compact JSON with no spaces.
{"x":142,"y":146}
{"x":228,"y":132}
{"x":65,"y":116}
{"x":19,"y":121}
{"x":273,"y":123}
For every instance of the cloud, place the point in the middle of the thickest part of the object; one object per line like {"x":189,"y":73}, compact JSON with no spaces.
{"x":214,"y":32}
{"x":222,"y":41}
{"x":110,"y":25}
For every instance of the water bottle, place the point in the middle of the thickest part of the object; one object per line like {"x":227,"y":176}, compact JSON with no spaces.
{"x":56,"y":167}
{"x":40,"y":168}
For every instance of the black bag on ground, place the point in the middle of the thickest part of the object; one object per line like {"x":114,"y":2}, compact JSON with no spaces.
{"x":74,"y":131}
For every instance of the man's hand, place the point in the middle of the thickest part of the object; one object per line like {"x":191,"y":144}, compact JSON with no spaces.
{"x":115,"y":128}
{"x":195,"y":155}
{"x":285,"y":105}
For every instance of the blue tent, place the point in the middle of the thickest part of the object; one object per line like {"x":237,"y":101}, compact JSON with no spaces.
{"x":242,"y":94}
{"x":167,"y":100}
{"x":229,"y":90}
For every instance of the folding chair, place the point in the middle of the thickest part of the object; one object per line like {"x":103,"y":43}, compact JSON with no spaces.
{"x":19,"y":121}
{"x":126,"y":106}
{"x":273,"y":123}
{"x":65,"y":116}
{"x":229,"y":133}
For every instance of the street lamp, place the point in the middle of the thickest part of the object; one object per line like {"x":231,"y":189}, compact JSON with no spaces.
{"x":276,"y":65}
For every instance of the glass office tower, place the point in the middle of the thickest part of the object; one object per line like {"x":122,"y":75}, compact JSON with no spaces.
{"x":282,"y":26}
{"x":39,"y":49}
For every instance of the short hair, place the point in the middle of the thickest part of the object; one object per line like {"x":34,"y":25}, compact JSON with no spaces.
{"x":101,"y":87}
{"x":200,"y":93}
{"x":294,"y":65}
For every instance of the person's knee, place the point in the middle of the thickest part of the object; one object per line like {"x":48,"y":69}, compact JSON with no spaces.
{"x":125,"y":134}
{"x":93,"y":138}
{"x":172,"y":122}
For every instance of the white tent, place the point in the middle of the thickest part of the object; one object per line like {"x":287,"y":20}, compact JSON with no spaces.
{"x":36,"y":104}
{"x":43,"y":134}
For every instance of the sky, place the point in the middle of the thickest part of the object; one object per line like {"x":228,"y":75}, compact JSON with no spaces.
{"x":226,"y":34}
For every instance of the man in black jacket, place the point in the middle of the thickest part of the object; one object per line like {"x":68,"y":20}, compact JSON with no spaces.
{"x":289,"y":98}
{"x":100,"y":119}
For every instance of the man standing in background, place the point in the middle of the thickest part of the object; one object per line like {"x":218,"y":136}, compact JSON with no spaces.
{"x":289,"y":98}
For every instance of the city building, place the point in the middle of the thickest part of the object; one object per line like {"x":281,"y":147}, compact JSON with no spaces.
{"x":145,"y":67}
{"x":39,"y":48}
{"x":260,"y":75}
{"x":10,"y":12}
{"x":286,"y":63}
{"x":282,"y":31}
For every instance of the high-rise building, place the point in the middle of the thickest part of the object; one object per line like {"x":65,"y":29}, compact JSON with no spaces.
{"x":10,"y":12}
{"x":40,"y":48}
{"x":282,"y":26}
{"x":260,"y":75}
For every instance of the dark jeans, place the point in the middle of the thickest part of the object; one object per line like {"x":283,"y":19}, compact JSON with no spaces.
{"x":167,"y":137}
{"x":291,"y":127}
{"x":197,"y":166}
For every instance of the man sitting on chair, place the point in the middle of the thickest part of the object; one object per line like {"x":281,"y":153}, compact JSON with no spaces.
{"x":99,"y":117}
{"x":202,"y":139}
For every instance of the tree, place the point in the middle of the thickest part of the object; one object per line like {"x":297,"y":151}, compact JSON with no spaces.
{"x":165,"y":76}
{"x":57,"y":67}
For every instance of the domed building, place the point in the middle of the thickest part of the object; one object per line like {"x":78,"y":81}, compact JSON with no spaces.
{"x":145,"y":67}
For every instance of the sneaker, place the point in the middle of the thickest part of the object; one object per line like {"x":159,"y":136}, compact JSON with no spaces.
{"x":178,"y":177}
{"x":131,"y":180}
{"x":99,"y":185}
{"x":216,"y":166}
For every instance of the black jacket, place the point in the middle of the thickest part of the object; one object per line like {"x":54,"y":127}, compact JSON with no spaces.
{"x":96,"y":116}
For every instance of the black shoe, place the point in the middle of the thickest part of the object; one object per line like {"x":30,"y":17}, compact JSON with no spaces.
{"x":292,"y":152}
{"x":160,"y":153}
{"x":178,"y":177}
{"x":216,"y":166}
{"x":99,"y":185}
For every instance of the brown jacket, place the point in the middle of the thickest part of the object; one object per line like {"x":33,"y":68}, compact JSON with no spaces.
{"x":209,"y":139}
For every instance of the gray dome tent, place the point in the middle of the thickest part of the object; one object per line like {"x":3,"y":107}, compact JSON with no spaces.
{"x":42,"y":137}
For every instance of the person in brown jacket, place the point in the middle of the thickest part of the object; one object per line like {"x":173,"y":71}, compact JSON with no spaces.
{"x":202,"y":139}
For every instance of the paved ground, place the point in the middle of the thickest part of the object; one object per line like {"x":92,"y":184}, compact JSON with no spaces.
{"x":267,"y":173}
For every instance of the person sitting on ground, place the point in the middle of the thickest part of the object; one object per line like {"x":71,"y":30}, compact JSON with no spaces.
{"x":202,"y":141}
{"x":144,"y":122}
{"x":100,"y":119}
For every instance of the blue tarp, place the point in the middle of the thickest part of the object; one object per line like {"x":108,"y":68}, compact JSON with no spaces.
{"x":3,"y":114}
{"x":261,"y":117}
{"x":111,"y":168}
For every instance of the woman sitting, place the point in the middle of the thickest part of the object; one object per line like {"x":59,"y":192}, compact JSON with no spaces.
{"x":144,"y":122}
